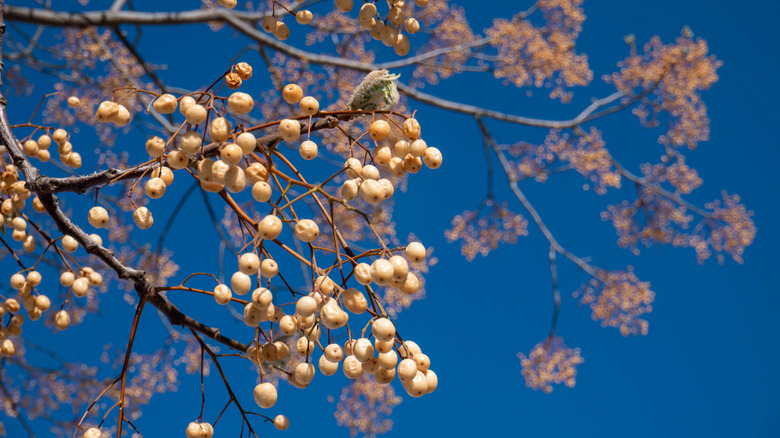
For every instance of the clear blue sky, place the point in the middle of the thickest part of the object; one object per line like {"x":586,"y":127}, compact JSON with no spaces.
{"x":709,"y":364}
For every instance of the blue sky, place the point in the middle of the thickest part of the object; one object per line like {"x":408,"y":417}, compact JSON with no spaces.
{"x":708,"y":366}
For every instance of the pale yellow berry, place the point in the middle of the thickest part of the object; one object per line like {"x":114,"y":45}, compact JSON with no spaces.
{"x":384,"y":376}
{"x":282,"y":31}
{"x":106,"y":111}
{"x":308,"y":150}
{"x":261,"y":191}
{"x":240,"y":283}
{"x":349,"y":189}
{"x":371,"y":191}
{"x":367,"y":11}
{"x":17,"y":281}
{"x":165,"y":104}
{"x":377,"y":30}
{"x":292,"y":94}
{"x":212,"y":171}
{"x":418,"y":386}
{"x":412,"y":164}
{"x":262,"y":298}
{"x":155,"y":188}
{"x":249,"y":263}
{"x":269,"y":227}
{"x":7,"y":348}
{"x":18,"y":223}
{"x":252,"y":315}
{"x":222,"y":294}
{"x":269,"y":268}
{"x":281,"y":422}
{"x":387,"y":360}
{"x":265,"y":395}
{"x":231,"y":154}
{"x":304,"y":345}
{"x":186,"y":103}
{"x":233,"y":80}
{"x":247,"y":142}
{"x":143,"y":218}
{"x":379,"y":130}
{"x":18,"y":235}
{"x":422,"y":361}
{"x":177,"y":160}
{"x":383,"y":329}
{"x":363,"y":350}
{"x":307,"y":230}
{"x":407,"y":369}
{"x":354,"y":301}
{"x":327,"y":367}
{"x":256,"y":172}
{"x":164,"y":173}
{"x":383,"y":155}
{"x":421,"y":3}
{"x":415,"y":252}
{"x":34,"y":278}
{"x":411,"y":25}
{"x":155,"y":146}
{"x":305,"y":306}
{"x":98,"y":217}
{"x":410,"y":348}
{"x":396,"y":16}
{"x":67,"y":278}
{"x":411,"y":129}
{"x":240,"y":103}
{"x":95,"y":279}
{"x":219,"y":129}
{"x":304,"y":372}
{"x":417,"y":148}
{"x":60,"y":136}
{"x":333,"y":353}
{"x":42,"y":302}
{"x":30,"y":148}
{"x":190,"y":142}
{"x":370,"y":366}
{"x":287,"y":325}
{"x":304,"y":16}
{"x":402,"y":45}
{"x":369,"y":172}
{"x":382,"y":272}
{"x":80,"y":287}
{"x":389,"y":36}
{"x":122,"y":116}
{"x":309,"y":106}
{"x":44,"y":142}
{"x":62,"y":320}
{"x":235,"y":180}
{"x":43,"y":155}
{"x":432,"y":158}
{"x":289,"y":129}
{"x":268,"y":23}
{"x":196,"y":114}
{"x":363,"y":274}
{"x":352,"y":367}
{"x":69,"y":244}
{"x":396,"y":167}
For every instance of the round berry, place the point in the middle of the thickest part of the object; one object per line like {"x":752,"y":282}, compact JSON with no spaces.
{"x":269,"y":227}
{"x":219,"y":129}
{"x":155,"y":188}
{"x":196,"y":114}
{"x":292,"y":93}
{"x":143,"y":218}
{"x":247,"y":142}
{"x":261,"y":191}
{"x":379,"y":130}
{"x":281,"y":422}
{"x":98,"y":217}
{"x":269,"y":268}
{"x":249,"y":263}
{"x":289,"y":129}
{"x":383,"y":329}
{"x":308,"y":150}
{"x":307,"y":230}
{"x":415,"y":252}
{"x":240,"y":103}
{"x":165,"y":104}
